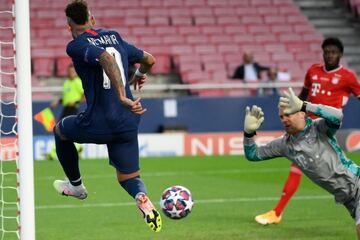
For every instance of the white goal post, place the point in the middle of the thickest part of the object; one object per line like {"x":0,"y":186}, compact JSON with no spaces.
{"x":24,"y":112}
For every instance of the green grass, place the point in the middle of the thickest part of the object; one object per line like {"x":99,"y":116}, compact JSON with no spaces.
{"x":228,"y":191}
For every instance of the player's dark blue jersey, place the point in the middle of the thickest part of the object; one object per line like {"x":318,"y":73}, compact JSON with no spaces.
{"x":104,"y":112}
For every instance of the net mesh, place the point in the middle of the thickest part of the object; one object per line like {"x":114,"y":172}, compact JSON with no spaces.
{"x":9,"y":204}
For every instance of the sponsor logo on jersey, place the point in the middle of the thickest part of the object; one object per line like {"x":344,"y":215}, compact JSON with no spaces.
{"x":315,"y":77}
{"x":353,"y":141}
{"x":315,"y":88}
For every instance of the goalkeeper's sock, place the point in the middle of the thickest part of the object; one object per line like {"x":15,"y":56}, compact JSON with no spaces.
{"x":69,"y":159}
{"x":133,"y":186}
{"x":291,"y":185}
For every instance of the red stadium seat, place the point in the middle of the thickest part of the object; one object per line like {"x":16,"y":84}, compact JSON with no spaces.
{"x":192,"y":3}
{"x":158,"y":21}
{"x":209,"y":29}
{"x":202,"y":11}
{"x":196,"y":39}
{"x":224,"y":11}
{"x":162,"y":65}
{"x":43,"y":67}
{"x":62,"y":66}
{"x":204,"y":20}
{"x":181,"y":21}
{"x":228,"y":20}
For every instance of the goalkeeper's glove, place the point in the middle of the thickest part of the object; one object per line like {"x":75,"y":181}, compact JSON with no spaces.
{"x":253,"y":119}
{"x":290,"y":102}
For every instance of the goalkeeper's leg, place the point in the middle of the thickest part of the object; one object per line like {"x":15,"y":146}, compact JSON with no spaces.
{"x":291,"y":185}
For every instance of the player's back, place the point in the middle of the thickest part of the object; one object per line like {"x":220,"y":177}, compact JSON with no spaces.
{"x":330,"y":87}
{"x":104,"y":113}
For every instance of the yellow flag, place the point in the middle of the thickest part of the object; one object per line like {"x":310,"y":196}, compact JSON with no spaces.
{"x":46,"y":118}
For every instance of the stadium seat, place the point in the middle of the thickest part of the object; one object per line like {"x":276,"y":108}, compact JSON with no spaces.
{"x":62,"y":66}
{"x":43,"y":66}
{"x":162,"y":65}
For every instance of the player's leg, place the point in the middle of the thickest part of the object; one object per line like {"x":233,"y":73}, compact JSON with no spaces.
{"x":124,"y":156}
{"x":291,"y":185}
{"x":67,"y":111}
{"x":64,"y":133}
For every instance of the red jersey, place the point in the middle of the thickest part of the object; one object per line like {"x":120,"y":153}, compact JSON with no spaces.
{"x":331,"y":88}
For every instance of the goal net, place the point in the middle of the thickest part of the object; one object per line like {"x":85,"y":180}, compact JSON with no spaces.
{"x":16,"y":217}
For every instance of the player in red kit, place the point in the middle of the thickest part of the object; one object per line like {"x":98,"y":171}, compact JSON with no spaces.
{"x":329,"y":84}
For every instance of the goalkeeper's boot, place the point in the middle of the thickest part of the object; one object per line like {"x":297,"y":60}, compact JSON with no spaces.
{"x":65,"y":188}
{"x":268,"y":218}
{"x":151,"y":215}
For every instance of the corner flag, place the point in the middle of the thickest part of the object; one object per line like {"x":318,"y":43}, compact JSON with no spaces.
{"x":46,"y":118}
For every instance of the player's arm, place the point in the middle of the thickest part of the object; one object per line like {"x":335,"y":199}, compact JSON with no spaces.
{"x":108,"y":63}
{"x":292,"y":104}
{"x":307,"y":85}
{"x":304,"y":93}
{"x":253,"y":120}
{"x":332,"y":116}
{"x":139,"y":77}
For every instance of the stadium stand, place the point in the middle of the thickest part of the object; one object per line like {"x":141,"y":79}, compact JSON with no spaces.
{"x":202,"y":40}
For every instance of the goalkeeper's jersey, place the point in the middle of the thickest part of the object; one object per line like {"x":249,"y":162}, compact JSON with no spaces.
{"x":316,"y":151}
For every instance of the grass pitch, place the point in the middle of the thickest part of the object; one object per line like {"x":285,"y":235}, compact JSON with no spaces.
{"x":228,"y":192}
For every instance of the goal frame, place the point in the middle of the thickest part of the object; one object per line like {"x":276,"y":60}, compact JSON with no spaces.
{"x":24,"y":120}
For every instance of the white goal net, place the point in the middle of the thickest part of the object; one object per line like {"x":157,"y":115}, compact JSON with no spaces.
{"x":16,"y":219}
{"x":8,"y":135}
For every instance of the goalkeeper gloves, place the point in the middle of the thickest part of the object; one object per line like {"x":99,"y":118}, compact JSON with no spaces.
{"x":291,"y":103}
{"x":253,"y":119}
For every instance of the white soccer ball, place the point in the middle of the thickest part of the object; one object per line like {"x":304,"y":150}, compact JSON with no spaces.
{"x":176,"y":202}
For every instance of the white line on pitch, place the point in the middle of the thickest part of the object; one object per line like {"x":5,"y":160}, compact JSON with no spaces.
{"x":186,"y":173}
{"x":203,"y":201}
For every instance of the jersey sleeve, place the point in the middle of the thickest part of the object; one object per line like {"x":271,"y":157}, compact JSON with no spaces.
{"x":135,"y":55}
{"x":330,"y":120}
{"x":85,"y":51}
{"x":253,"y":152}
{"x":354,"y":85}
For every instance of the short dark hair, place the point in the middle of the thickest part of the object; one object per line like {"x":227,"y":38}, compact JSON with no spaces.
{"x":333,"y":42}
{"x":77,"y":11}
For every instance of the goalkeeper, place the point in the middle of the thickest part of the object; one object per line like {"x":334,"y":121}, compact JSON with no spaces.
{"x":311,"y":145}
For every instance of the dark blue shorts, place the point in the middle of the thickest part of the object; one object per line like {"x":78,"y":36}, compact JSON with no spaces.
{"x":123,"y":148}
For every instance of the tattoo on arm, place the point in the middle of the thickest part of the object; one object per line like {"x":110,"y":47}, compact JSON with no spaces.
{"x":112,"y":70}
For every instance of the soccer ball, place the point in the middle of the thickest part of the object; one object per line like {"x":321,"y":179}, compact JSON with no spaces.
{"x":176,"y":202}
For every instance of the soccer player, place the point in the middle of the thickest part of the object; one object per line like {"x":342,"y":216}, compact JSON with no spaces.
{"x":311,"y":145}
{"x":101,"y":59}
{"x":328,"y":84}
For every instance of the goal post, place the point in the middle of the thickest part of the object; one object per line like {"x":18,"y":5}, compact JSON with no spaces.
{"x":24,"y":120}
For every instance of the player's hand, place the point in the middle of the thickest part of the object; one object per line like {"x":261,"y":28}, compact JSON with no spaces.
{"x":134,"y":106}
{"x":138,"y":82}
{"x":290,"y":102}
{"x":254,"y":117}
